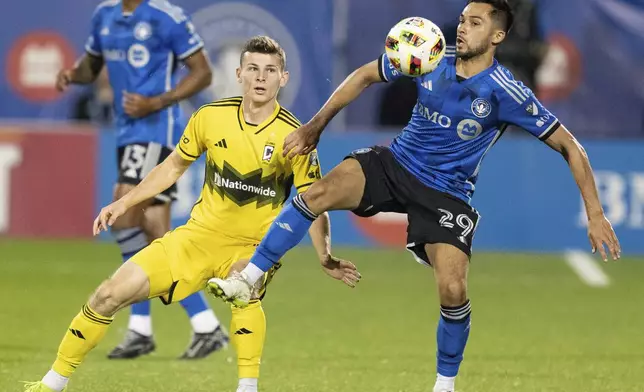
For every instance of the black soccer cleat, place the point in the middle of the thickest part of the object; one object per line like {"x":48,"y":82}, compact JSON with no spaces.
{"x":134,"y":345}
{"x":204,"y":344}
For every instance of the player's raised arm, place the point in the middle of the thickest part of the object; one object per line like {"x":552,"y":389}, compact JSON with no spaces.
{"x":520,"y":107}
{"x":304,"y":139}
{"x":600,"y":231}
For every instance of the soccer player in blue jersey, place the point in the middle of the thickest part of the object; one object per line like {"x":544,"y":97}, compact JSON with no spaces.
{"x":141,"y":43}
{"x":430,"y":170}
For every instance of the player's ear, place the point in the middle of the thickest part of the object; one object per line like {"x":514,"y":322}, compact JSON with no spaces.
{"x":284,"y":78}
{"x":238,"y":72}
{"x":498,"y":37}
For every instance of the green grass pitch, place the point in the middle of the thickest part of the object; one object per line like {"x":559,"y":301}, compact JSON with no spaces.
{"x":535,"y":326}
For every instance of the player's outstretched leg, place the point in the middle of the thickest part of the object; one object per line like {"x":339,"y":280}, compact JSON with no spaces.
{"x":450,"y":270}
{"x":340,"y":189}
{"x":248,"y":327}
{"x":128,"y":285}
{"x":208,"y":335}
{"x":134,"y":231}
{"x":138,"y":338}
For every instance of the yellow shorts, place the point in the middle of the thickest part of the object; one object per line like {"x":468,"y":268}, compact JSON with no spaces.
{"x":181,"y":262}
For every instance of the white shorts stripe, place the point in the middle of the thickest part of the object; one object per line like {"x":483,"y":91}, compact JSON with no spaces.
{"x":152,"y":156}
{"x":163,"y":198}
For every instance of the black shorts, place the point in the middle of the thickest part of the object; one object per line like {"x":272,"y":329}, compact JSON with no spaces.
{"x":136,"y":160}
{"x":433,"y":216}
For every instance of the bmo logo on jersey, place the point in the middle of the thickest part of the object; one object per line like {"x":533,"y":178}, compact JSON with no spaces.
{"x":433,"y":116}
{"x":138,"y":56}
{"x":468,"y":129}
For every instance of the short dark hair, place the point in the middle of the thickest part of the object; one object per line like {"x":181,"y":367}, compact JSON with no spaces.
{"x":266,"y":45}
{"x":501,"y":12}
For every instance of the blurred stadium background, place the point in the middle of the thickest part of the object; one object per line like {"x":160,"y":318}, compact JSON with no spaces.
{"x":547,"y":315}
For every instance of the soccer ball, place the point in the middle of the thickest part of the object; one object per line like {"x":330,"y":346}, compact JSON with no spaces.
{"x":415,"y":46}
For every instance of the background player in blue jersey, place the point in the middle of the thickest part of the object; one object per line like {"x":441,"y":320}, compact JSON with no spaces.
{"x":141,"y":43}
{"x":430,"y":170}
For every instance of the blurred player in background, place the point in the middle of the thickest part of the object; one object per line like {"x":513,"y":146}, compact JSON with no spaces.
{"x":141,"y":42}
{"x":247,"y":182}
{"x":429,"y":171}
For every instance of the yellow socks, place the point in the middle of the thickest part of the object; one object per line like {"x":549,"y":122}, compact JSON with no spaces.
{"x":86,"y":330}
{"x":248,"y":328}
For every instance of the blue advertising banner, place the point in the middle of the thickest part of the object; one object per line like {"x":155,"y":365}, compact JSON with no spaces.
{"x":526,"y":195}
{"x":36,"y":45}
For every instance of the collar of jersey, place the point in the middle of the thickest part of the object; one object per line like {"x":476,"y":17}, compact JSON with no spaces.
{"x":451,"y":71}
{"x":260,"y":127}
{"x":122,"y":17}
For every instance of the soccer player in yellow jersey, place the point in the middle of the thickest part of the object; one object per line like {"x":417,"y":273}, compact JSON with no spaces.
{"x":247,"y":182}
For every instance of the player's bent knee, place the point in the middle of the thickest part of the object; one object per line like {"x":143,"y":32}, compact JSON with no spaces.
{"x":105,"y":300}
{"x":130,"y":284}
{"x":453,"y":293}
{"x":317,"y":197}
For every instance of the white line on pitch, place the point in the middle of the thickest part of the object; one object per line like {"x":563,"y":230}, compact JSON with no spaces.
{"x":586,"y":268}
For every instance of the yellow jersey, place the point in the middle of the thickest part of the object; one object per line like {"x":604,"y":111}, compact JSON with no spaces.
{"x":247,"y":179}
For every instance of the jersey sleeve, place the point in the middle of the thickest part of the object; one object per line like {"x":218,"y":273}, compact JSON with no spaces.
{"x":520,"y":107}
{"x":387,"y":70}
{"x":306,"y":171}
{"x":184,"y":39}
{"x":192,"y":144}
{"x":93,"y":43}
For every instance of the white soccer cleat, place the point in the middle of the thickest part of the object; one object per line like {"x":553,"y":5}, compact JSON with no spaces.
{"x":235,"y":289}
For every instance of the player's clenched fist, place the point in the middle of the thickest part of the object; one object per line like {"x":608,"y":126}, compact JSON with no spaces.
{"x":137,"y":106}
{"x":108,"y":216}
{"x":63,"y":79}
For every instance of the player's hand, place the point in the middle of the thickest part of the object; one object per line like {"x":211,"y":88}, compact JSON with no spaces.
{"x":136,"y":105}
{"x":342,"y":270}
{"x":601,"y":232}
{"x":108,"y":216}
{"x":63,"y":79}
{"x":302,"y":140}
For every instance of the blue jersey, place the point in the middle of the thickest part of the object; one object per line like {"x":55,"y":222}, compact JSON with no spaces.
{"x":456,"y":121}
{"x":141,"y":51}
